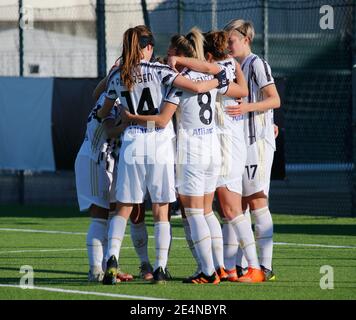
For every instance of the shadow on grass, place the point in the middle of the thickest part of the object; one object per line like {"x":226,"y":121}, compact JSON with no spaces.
{"x":47,"y":271}
{"x":29,"y":211}
{"x":316,"y":229}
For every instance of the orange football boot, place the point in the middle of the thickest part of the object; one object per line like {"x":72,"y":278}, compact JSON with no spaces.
{"x":232,"y":275}
{"x":252,"y":276}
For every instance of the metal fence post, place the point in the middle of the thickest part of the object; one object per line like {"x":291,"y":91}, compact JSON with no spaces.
{"x":101,"y":37}
{"x":353,"y":44}
{"x":265,"y":29}
{"x":146,"y":17}
{"x":21,"y":187}
{"x":179,"y":16}
{"x":214,"y":17}
{"x":20,"y":38}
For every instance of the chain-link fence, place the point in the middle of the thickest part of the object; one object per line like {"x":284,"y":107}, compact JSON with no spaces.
{"x":307,"y":43}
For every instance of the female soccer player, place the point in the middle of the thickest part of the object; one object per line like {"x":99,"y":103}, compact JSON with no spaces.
{"x":95,"y":181}
{"x":197,"y":142}
{"x":233,"y":151}
{"x":147,"y":154}
{"x":259,"y":135}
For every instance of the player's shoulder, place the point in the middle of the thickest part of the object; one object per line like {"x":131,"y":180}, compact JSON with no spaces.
{"x":155,"y":65}
{"x":227,"y":63}
{"x":101,"y":100}
{"x":114,"y":73}
{"x":258,"y":62}
{"x":196,"y":75}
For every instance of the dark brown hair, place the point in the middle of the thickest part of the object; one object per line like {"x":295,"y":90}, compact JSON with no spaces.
{"x":134,"y":41}
{"x":216,"y":44}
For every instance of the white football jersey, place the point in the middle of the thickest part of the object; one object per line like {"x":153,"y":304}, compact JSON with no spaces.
{"x":258,"y":125}
{"x":224,"y":121}
{"x":152,"y":80}
{"x":196,"y":114}
{"x":96,"y":144}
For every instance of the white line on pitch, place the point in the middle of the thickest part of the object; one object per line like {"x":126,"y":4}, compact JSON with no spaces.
{"x":43,"y":231}
{"x":313,"y":245}
{"x":55,"y":250}
{"x":182,"y":238}
{"x":92,"y":293}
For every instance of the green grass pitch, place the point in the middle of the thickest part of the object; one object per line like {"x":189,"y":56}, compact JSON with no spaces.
{"x":59,"y":260}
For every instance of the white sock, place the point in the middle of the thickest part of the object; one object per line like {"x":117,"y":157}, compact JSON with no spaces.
{"x":116,"y":235}
{"x":264,"y":235}
{"x":139,"y":237}
{"x":201,"y":237}
{"x":105,"y":245}
{"x":95,"y":243}
{"x":246,"y":240}
{"x":163,"y":239}
{"x":240,"y":258}
{"x":216,"y":239}
{"x":230,"y":245}
{"x":190,"y":242}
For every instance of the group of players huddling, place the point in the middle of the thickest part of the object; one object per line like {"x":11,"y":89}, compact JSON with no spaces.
{"x":193,"y":125}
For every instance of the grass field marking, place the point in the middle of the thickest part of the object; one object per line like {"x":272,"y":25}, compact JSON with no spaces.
{"x":182,"y":238}
{"x":92,"y":293}
{"x":54,"y":250}
{"x":42,"y":250}
{"x":313,"y":245}
{"x":44,"y":231}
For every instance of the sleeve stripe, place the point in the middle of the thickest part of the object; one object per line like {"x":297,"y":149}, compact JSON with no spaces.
{"x":269,"y":78}
{"x":166,"y":100}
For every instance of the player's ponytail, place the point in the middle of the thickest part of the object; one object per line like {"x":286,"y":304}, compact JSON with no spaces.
{"x":196,"y":39}
{"x":135,"y":39}
{"x":216,"y":43}
{"x":191,"y":45}
{"x":242,"y":28}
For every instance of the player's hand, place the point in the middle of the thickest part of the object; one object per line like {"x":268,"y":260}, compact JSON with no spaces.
{"x":276,"y":131}
{"x":172,"y":62}
{"x":237,"y":110}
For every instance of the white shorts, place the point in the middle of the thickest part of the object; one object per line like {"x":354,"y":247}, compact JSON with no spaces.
{"x":95,"y":185}
{"x":257,"y":174}
{"x":234,"y":153}
{"x":198,"y":166}
{"x":138,"y":174}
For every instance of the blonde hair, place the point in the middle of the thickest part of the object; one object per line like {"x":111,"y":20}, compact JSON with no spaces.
{"x":132,"y":53}
{"x":242,"y":27}
{"x":191,"y":45}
